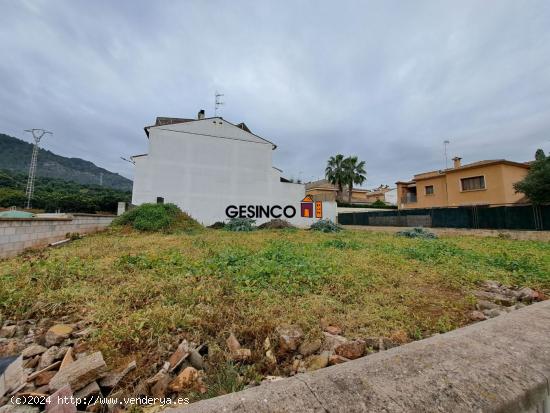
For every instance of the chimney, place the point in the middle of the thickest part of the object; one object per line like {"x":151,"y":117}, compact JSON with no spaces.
{"x":456,"y":161}
{"x":201,"y":114}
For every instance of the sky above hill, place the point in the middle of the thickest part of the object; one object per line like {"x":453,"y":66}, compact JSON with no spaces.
{"x":386,"y":81}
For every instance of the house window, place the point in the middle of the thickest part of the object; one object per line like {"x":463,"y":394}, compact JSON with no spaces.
{"x":471,"y":184}
{"x":429,"y":190}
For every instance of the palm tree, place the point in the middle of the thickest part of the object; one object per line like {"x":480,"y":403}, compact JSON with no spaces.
{"x":335,"y":173}
{"x":354,"y":172}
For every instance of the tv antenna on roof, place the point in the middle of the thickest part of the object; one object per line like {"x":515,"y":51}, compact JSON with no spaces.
{"x":37,"y":134}
{"x":217,"y":102}
{"x":445,"y":143}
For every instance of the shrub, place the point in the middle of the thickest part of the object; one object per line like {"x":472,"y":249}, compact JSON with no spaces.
{"x":326,"y":225}
{"x":157,"y":217}
{"x":240,"y":224}
{"x":276,"y":223}
{"x":416,"y":233}
{"x":217,"y":225}
{"x":342,"y":244}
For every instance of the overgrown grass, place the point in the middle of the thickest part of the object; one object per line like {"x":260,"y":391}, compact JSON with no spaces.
{"x":145,"y":291}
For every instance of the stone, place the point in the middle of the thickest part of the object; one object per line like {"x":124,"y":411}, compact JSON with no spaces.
{"x":308,"y":348}
{"x":270,"y":357}
{"x":351,"y":350}
{"x":88,"y":391}
{"x":379,"y":343}
{"x":31,"y":363}
{"x":48,"y":357}
{"x":186,"y":379}
{"x":477,"y":316}
{"x":33,"y":350}
{"x":496,"y":297}
{"x":241,"y":354}
{"x":18,"y":408}
{"x":520,"y":305}
{"x":53,"y":366}
{"x":336,"y":359}
{"x":318,"y":362}
{"x":179,"y":355}
{"x":112,"y":379}
{"x":331,"y":341}
{"x":232,"y":343}
{"x":486,"y":305}
{"x":335,"y":330}
{"x":290,"y":337}
{"x":195,"y":359}
{"x":80,"y":373}
{"x":56,"y":404}
{"x":495,"y":312}
{"x":8,"y":331}
{"x":298,"y":366}
{"x":13,"y":377}
{"x":526,"y":295}
{"x":160,"y":387}
{"x":44,"y":378}
{"x":67,"y":359}
{"x":271,"y":379}
{"x":57,"y":333}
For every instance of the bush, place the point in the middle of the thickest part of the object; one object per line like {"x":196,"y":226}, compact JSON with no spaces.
{"x":276,"y":223}
{"x":325,"y":225}
{"x":417,"y":233}
{"x":240,"y":224}
{"x":157,"y":217}
{"x":217,"y":225}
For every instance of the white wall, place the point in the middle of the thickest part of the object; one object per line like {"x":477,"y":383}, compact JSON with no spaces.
{"x":391,"y":196}
{"x":205,"y":166}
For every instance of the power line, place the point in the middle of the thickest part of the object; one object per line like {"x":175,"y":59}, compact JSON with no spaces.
{"x":37,"y":135}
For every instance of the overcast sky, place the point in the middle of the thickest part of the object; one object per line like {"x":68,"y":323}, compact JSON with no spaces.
{"x":386,"y":81}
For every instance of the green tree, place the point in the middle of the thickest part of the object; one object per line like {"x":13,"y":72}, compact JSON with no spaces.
{"x":335,"y":173}
{"x":354,"y":172}
{"x":536,"y":185}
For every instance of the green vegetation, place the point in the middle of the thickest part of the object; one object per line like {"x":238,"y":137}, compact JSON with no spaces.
{"x":325,"y":225}
{"x":156,"y":218}
{"x":240,"y":225}
{"x":536,"y":185}
{"x":51,"y":195}
{"x":143,"y":290}
{"x":342,"y":172}
{"x":15,"y":156}
{"x":416,"y":233}
{"x":376,"y":204}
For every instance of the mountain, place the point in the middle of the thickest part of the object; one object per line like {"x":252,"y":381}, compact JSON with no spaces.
{"x":15,"y":156}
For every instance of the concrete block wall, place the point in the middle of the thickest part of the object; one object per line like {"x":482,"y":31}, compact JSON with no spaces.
{"x":16,"y":235}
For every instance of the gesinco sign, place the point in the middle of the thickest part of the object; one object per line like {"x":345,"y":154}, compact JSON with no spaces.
{"x":308,"y":209}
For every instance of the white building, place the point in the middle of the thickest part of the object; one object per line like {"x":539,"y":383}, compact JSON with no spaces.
{"x":213,"y":169}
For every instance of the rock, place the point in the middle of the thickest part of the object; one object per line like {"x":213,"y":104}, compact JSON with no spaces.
{"x":318,"y":362}
{"x":290,"y":337}
{"x":335,"y":330}
{"x":84,"y":333}
{"x":53,"y":366}
{"x":57,"y":405}
{"x":486,"y":305}
{"x":48,"y":357}
{"x":298,"y":366}
{"x":308,"y":348}
{"x":495,"y":312}
{"x":241,"y":354}
{"x":13,"y":377}
{"x":196,"y":359}
{"x":179,"y":355}
{"x":186,"y":379}
{"x":351,"y":350}
{"x":88,"y":391}
{"x":520,"y":305}
{"x":477,"y":316}
{"x":112,"y":379}
{"x":80,"y":373}
{"x":336,"y":359}
{"x":526,"y":295}
{"x":331,"y":341}
{"x":380,"y":343}
{"x":18,"y":408}
{"x":67,"y":359}
{"x":33,"y":350}
{"x":44,"y":378}
{"x":271,"y":379}
{"x":32,"y":362}
{"x":270,"y":357}
{"x":496,"y":297}
{"x":57,"y":333}
{"x":232,"y":343}
{"x":160,"y":388}
{"x":8,"y":331}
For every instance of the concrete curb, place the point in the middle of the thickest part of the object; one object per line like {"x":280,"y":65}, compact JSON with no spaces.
{"x":498,"y":365}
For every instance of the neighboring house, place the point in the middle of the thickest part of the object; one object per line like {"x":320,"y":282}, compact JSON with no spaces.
{"x":487,"y":182}
{"x":383,"y":193}
{"x":323,"y":190}
{"x":205,"y":165}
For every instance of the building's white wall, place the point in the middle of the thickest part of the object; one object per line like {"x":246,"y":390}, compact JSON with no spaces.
{"x":391,"y":196}
{"x":204,"y":166}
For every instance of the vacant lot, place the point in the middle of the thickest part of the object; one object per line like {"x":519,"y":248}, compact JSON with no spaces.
{"x":144,"y":292}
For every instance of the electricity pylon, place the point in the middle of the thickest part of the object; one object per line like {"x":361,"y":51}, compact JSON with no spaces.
{"x":37,"y":134}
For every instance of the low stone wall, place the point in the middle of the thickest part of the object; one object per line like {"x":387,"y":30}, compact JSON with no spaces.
{"x":498,"y":365}
{"x":16,"y":235}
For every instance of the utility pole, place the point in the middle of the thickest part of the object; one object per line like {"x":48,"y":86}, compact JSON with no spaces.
{"x":37,"y":135}
{"x":217,"y":102}
{"x":445,"y":143}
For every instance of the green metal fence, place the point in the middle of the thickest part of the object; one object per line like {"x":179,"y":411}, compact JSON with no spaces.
{"x":526,"y":217}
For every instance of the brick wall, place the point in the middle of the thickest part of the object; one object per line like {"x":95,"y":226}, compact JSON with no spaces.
{"x":16,"y":235}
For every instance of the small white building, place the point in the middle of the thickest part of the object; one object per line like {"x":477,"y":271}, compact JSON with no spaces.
{"x":213,"y":170}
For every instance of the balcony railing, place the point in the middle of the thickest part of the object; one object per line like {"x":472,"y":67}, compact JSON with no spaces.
{"x":410,"y":198}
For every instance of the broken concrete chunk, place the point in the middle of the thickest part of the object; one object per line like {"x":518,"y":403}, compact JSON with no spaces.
{"x":57,"y":333}
{"x":80,"y":373}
